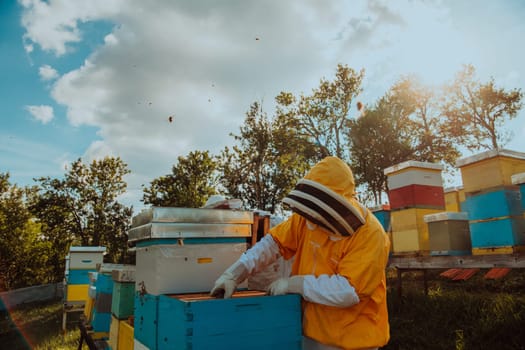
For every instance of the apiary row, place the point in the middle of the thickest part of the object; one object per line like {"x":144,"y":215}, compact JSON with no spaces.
{"x":484,"y":216}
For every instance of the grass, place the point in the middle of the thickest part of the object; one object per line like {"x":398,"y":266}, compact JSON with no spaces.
{"x":476,"y":314}
{"x":39,"y":326}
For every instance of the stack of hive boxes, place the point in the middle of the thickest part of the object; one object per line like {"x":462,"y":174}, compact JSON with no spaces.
{"x":415,"y":189}
{"x":180,"y":252}
{"x":492,"y":201}
{"x":122,"y":308}
{"x":79,"y":262}
{"x":101,"y":316}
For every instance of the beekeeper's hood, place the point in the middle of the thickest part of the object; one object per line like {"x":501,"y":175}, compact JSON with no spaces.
{"x":325,"y":197}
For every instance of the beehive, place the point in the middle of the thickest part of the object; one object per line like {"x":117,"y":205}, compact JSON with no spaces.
{"x":414,"y":173}
{"x":414,"y":184}
{"x":114,"y":333}
{"x":449,"y":233}
{"x":506,"y":232}
{"x":490,"y":169}
{"x":200,"y":322}
{"x":497,"y":202}
{"x":80,"y":261}
{"x":409,"y":230}
{"x":123,"y":296}
{"x":184,"y":250}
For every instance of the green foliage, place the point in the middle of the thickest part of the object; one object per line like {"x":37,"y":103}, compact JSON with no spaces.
{"x":266,"y":164}
{"x":322,"y":118}
{"x":376,"y":142}
{"x":477,"y":111}
{"x":190,"y":184}
{"x":24,"y":254}
{"x":83,"y":209}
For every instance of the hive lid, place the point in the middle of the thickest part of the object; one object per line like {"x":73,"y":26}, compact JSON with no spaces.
{"x":191,"y":215}
{"x":87,"y":249}
{"x":156,"y":230}
{"x":489,"y":154}
{"x":413,"y":164}
{"x":518,"y":179}
{"x":446,"y":215}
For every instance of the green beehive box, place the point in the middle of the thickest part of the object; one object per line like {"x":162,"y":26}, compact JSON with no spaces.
{"x":122,"y":303}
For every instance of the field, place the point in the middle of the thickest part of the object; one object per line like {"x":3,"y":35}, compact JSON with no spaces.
{"x":475,"y":314}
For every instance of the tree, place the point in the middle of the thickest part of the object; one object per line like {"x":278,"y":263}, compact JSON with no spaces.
{"x":191,"y":183}
{"x":476,"y":112}
{"x":377,"y":142}
{"x":423,"y":125}
{"x":266,"y":163}
{"x":323,"y":117}
{"x":83,"y":207}
{"x":23,"y":252}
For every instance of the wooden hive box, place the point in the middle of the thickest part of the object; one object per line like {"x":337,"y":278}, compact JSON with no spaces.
{"x":123,"y":296}
{"x":489,"y":169}
{"x":507,"y":232}
{"x":382,"y":213}
{"x":251,"y":320}
{"x":125,"y":339}
{"x":417,"y":196}
{"x":410,"y":232}
{"x":145,"y":324}
{"x":449,"y":233}
{"x":497,"y":202}
{"x":414,"y":173}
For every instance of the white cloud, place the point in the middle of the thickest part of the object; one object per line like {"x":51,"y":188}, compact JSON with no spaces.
{"x":42,"y":113}
{"x":47,"y":72}
{"x":200,"y":62}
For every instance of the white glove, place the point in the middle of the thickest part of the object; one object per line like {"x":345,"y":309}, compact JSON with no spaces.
{"x":282,"y":286}
{"x":228,"y":281}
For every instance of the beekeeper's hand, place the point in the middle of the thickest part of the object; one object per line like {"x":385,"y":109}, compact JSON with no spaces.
{"x":228,"y":281}
{"x":286,"y":285}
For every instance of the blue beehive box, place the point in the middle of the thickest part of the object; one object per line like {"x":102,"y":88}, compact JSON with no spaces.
{"x":250,"y":320}
{"x":382,"y":213}
{"x":145,"y":323}
{"x":499,"y":203}
{"x":495,"y":233}
{"x":104,"y":283}
{"x":78,"y":276}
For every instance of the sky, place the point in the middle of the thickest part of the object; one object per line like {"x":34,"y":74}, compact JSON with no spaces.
{"x":89,"y":79}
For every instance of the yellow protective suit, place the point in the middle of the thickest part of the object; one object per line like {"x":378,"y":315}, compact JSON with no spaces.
{"x":361,"y":258}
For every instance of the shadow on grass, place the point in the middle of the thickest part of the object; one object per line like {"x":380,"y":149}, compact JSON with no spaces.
{"x":38,"y":326}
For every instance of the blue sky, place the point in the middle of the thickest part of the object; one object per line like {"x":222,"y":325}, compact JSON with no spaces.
{"x":96,"y":78}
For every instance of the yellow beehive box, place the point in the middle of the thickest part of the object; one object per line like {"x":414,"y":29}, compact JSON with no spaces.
{"x":453,"y":198}
{"x":125,"y":339}
{"x":410,"y":231}
{"x":405,"y":242}
{"x":77,"y":292}
{"x":114,"y":332}
{"x":88,"y":308}
{"x":490,"y":169}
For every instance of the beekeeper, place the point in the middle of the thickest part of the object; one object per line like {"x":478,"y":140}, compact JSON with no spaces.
{"x":341,"y":253}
